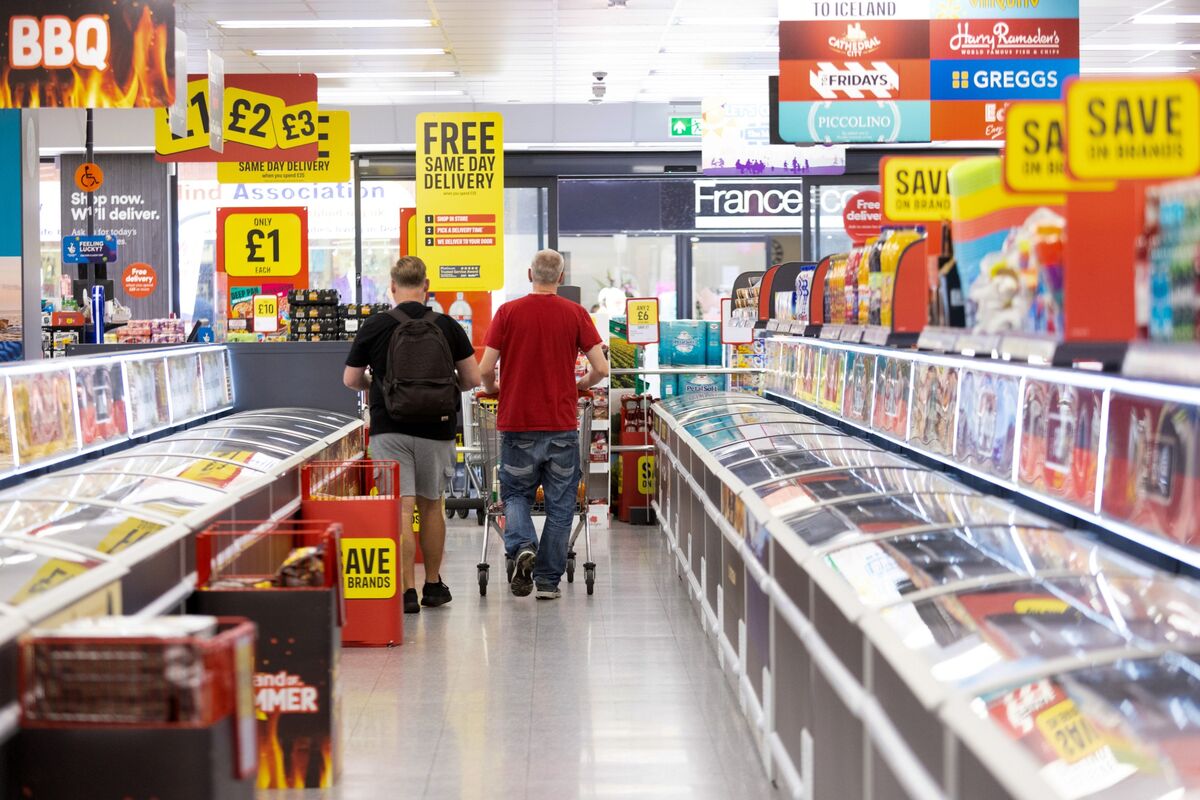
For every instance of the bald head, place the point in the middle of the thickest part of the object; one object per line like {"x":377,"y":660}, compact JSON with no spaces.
{"x":547,"y":268}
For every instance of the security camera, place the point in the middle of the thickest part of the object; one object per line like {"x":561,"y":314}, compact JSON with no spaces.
{"x":599,"y":75}
{"x":598,"y":90}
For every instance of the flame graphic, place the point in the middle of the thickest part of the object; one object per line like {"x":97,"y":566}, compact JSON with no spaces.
{"x":148,"y":83}
{"x":283,"y":766}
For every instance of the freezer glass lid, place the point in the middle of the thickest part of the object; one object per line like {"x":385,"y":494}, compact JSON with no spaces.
{"x":887,"y":569}
{"x":221,"y":474}
{"x":757,"y":448}
{"x":712,"y":441}
{"x":776,"y":466}
{"x":99,"y":528}
{"x":245,"y":454}
{"x":331,"y":419}
{"x":731,"y":407}
{"x":853,"y":481}
{"x":156,"y":494}
{"x":738,"y":420}
{"x":679,"y":402}
{"x":877,"y":515}
{"x":1127,"y":729}
{"x":276,"y":441}
{"x":296,"y":427}
{"x":980,"y":635}
{"x":30,"y":569}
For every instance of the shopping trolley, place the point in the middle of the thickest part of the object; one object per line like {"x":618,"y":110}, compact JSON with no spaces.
{"x":484,"y":408}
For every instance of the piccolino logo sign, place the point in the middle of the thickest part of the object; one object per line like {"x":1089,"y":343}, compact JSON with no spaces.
{"x":746,"y":205}
{"x":855,"y":121}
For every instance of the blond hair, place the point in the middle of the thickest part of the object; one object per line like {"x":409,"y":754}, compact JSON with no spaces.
{"x":547,"y":266}
{"x":409,"y":272}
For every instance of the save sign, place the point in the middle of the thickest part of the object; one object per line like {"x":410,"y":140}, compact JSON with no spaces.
{"x":916,"y":189}
{"x":1035,"y":158}
{"x":1133,"y":129}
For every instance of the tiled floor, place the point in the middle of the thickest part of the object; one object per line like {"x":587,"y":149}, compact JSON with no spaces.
{"x":616,"y":695}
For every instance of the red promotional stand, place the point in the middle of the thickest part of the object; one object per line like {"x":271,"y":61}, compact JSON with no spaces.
{"x":364,"y":497}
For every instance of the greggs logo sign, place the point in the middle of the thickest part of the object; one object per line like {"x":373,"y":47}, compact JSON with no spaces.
{"x":55,"y":42}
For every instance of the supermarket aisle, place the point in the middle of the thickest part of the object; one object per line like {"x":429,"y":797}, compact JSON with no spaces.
{"x":618,"y":695}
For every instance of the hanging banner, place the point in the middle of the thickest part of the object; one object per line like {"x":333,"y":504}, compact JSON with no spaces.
{"x":460,"y":199}
{"x":916,"y":189}
{"x":1133,"y":129}
{"x":736,"y":140}
{"x":260,"y":251}
{"x":332,"y":164}
{"x":266,"y":117}
{"x":88,"y":54}
{"x":1035,"y":158}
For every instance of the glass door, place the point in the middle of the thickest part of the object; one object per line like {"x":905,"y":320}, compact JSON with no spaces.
{"x":716,"y":263}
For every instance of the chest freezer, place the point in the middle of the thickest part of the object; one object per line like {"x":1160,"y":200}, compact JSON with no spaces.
{"x":748,"y":449}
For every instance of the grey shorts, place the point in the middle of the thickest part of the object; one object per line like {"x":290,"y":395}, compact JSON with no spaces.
{"x":426,"y":465}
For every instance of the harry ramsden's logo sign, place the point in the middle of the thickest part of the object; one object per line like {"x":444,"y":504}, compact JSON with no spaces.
{"x":1001,"y":41}
{"x":855,"y":42}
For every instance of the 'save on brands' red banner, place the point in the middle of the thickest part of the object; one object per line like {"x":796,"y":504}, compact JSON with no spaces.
{"x":87,"y":54}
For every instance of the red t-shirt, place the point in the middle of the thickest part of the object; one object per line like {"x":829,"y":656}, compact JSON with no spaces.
{"x":539,"y":337}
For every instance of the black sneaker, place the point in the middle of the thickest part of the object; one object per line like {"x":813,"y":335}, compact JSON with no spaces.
{"x":435,"y":594}
{"x":522,"y":577}
{"x":411,"y":604}
{"x":547,"y":592}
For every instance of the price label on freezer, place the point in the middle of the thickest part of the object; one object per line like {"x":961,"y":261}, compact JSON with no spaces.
{"x":642,"y":314}
{"x":645,"y":474}
{"x":1069,"y":732}
{"x":266,"y":313}
{"x":259,"y":245}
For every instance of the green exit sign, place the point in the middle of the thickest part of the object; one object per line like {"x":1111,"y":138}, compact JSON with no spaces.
{"x":685,"y":126}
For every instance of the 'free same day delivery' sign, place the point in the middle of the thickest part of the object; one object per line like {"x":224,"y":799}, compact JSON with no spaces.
{"x":460,"y":200}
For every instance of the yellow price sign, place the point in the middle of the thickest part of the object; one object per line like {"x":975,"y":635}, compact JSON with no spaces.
{"x":645,"y":475}
{"x":369,"y":568}
{"x":1035,"y":154}
{"x":1133,"y":129}
{"x":127,"y":534}
{"x":262,"y":245}
{"x":916,"y":189}
{"x":642,"y":316}
{"x":1069,"y":732}
{"x":197,"y":137}
{"x":296,"y":125}
{"x":54,"y":572}
{"x":250,"y":117}
{"x":332,"y":164}
{"x":217,"y":473}
{"x":266,"y":313}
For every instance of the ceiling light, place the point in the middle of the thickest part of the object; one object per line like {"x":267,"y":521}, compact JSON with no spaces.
{"x":702,"y":49}
{"x":727,"y":21}
{"x":354,"y":51}
{"x":329,"y":93}
{"x":617,"y":4}
{"x":1176,"y":47}
{"x":333,"y":76}
{"x":1167,"y":19}
{"x":250,"y":24}
{"x":1135,"y":70}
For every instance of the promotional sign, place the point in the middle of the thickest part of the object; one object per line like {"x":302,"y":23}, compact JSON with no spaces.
{"x":332,"y":164}
{"x":89,"y":249}
{"x":88,"y":54}
{"x":916,"y":189}
{"x":863,"y":216}
{"x":266,"y":313}
{"x":267,"y":117}
{"x":131,"y":207}
{"x":1133,"y":129}
{"x":261,"y":251}
{"x":139,"y":280}
{"x":1035,"y":158}
{"x":735,"y":330}
{"x":460,"y":199}
{"x":736,"y":141}
{"x":918,"y":70}
{"x":369,"y":568}
{"x":642,"y":316}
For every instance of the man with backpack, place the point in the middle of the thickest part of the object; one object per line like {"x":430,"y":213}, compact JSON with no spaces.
{"x":420,"y":362}
{"x":536,"y":340}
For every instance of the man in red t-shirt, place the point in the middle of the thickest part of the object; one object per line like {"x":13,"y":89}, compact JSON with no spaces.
{"x":537,"y":339}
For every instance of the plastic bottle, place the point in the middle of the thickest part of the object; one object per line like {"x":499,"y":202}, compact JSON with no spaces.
{"x":460,"y":311}
{"x":435,"y":305}
{"x":875,"y":279}
{"x":837,"y":303}
{"x":864,"y":281}
{"x":898,"y":241}
{"x":853,"y":263}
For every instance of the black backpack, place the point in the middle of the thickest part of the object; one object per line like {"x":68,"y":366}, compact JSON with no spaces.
{"x":420,"y":384}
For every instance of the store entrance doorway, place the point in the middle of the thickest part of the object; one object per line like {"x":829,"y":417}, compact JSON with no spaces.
{"x":714,"y":262}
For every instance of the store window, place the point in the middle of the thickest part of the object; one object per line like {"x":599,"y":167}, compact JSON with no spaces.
{"x":828,"y":231}
{"x":634,"y":266}
{"x":716,"y":263}
{"x":526,"y":230}
{"x":50,"y":225}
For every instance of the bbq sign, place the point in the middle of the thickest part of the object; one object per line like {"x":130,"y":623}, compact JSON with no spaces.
{"x":1133,"y":129}
{"x":89,"y":54}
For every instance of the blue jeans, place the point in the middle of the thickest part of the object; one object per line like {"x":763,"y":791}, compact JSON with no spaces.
{"x":551,"y":459}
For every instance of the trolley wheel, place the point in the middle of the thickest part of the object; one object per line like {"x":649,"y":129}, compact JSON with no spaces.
{"x":509,"y":566}
{"x":462,"y":513}
{"x":479,"y":516}
{"x":449,"y":513}
{"x":589,"y":577}
{"x":571,"y":570}
{"x":483,"y":581}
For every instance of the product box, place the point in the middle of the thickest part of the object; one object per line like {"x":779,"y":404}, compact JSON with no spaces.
{"x":699,"y":384}
{"x":684,"y":344}
{"x":713,"y":341}
{"x":669,"y":386}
